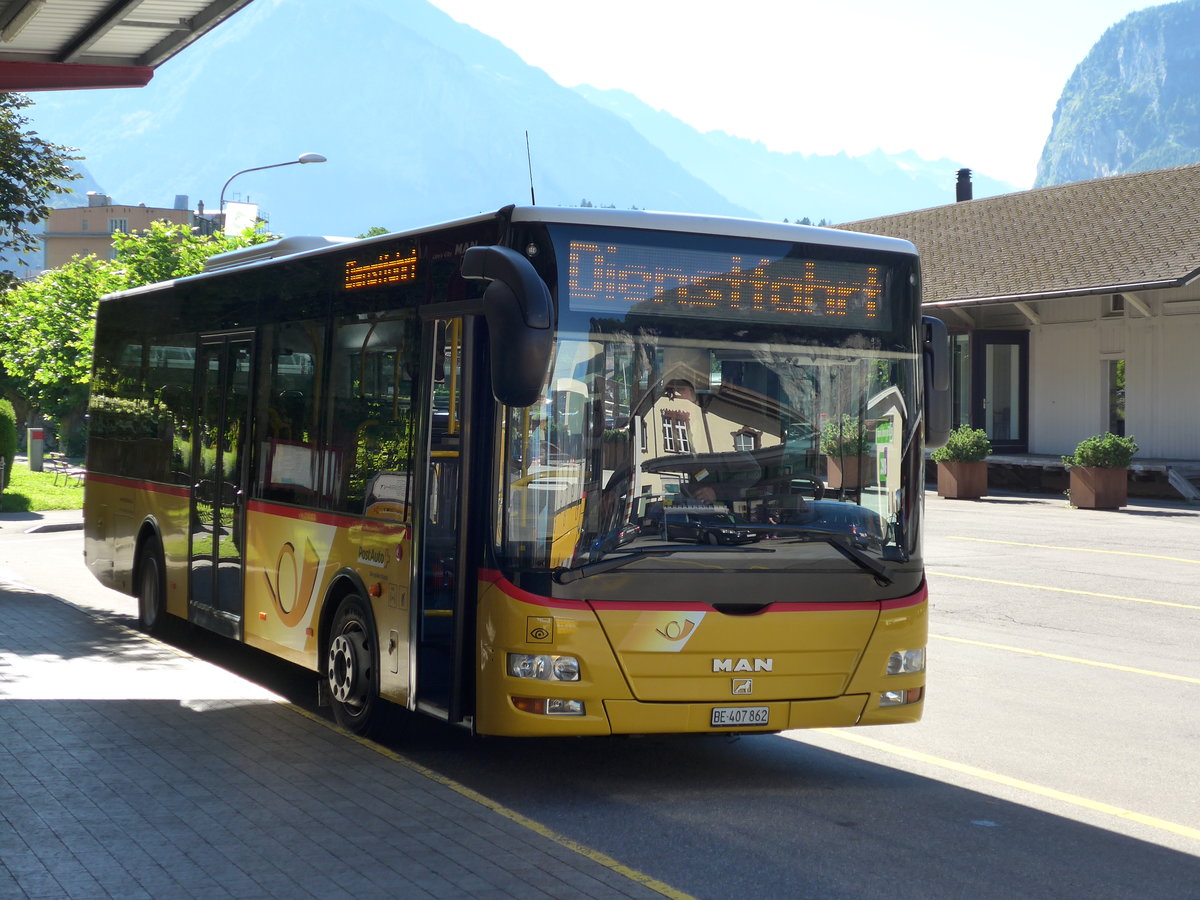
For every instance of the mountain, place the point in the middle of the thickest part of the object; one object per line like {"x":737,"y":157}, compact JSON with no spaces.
{"x":424,"y":119}
{"x":779,"y":186}
{"x":1133,"y":103}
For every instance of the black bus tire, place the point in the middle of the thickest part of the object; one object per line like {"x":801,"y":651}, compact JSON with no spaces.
{"x":352,"y":668}
{"x":151,"y":589}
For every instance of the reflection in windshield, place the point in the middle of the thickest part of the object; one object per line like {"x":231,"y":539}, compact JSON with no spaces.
{"x":643,"y":439}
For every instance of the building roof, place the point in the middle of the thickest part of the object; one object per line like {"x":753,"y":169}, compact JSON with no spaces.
{"x":50,"y":45}
{"x":1122,"y":233}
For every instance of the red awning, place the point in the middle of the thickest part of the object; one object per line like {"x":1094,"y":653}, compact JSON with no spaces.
{"x":48,"y":76}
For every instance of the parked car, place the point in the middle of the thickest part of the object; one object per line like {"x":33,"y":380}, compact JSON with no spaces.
{"x":863,"y":526}
{"x":706,"y":526}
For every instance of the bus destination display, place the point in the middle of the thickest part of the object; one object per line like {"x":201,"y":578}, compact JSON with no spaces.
{"x":386,"y":268}
{"x":609,"y":277}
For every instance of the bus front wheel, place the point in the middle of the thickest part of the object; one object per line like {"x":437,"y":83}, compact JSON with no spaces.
{"x":352,"y":668}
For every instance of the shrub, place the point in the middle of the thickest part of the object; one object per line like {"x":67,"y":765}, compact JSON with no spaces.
{"x":965,"y":444}
{"x":8,"y":439}
{"x":844,"y":438}
{"x":1103,"y":451}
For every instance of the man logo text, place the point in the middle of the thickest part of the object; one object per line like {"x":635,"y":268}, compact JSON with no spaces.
{"x":743,"y":665}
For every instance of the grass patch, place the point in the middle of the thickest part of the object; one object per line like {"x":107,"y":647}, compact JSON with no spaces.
{"x":35,"y":491}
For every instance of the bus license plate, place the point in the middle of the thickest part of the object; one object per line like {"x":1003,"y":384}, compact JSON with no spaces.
{"x":726,"y":716}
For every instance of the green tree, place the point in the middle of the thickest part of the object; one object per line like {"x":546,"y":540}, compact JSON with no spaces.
{"x":47,"y":325}
{"x":8,"y":440}
{"x":374,"y":231}
{"x":32,"y":171}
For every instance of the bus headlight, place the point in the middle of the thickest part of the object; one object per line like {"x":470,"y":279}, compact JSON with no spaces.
{"x":906,"y":662}
{"x":543,"y":668}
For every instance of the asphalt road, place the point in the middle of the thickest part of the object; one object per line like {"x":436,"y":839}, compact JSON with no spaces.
{"x":1058,"y":757}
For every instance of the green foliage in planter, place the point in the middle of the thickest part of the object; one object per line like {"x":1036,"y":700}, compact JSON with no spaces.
{"x":844,"y":438}
{"x":1103,"y":451}
{"x":966,"y":444}
{"x":8,"y":439}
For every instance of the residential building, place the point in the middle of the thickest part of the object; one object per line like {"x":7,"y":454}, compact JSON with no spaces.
{"x":84,"y":230}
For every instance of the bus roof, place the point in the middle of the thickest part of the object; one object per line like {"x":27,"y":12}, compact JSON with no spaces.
{"x":291,"y":247}
{"x":716,"y":225}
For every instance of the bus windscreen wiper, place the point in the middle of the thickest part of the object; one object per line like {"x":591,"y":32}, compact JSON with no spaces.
{"x":564,"y":575}
{"x":842,"y":544}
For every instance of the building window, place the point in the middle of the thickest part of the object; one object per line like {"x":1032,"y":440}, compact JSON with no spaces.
{"x":1116,"y":396}
{"x":960,"y":378}
{"x":675,"y":432}
{"x":84,"y":226}
{"x":1114,"y":305}
{"x":747,"y":439}
{"x":115,"y":225}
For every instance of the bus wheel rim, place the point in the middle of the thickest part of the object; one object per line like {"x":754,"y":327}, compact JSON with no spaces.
{"x":347,"y":668}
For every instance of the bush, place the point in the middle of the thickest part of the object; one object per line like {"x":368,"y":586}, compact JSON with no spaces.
{"x":8,"y":439}
{"x":844,"y":438}
{"x":1103,"y":451}
{"x":965,"y":444}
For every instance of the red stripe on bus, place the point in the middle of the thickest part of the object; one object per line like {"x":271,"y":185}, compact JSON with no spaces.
{"x":916,"y":599}
{"x":175,"y":490}
{"x":491,"y":576}
{"x":322,"y":517}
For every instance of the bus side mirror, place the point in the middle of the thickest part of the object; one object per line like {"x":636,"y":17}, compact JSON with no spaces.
{"x":520,"y":318}
{"x":935,"y":358}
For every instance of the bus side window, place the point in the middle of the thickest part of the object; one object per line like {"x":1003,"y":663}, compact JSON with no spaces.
{"x":371,"y":415}
{"x":292,"y":361}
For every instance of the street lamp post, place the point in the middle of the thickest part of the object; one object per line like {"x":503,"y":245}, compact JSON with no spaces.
{"x":304,"y":159}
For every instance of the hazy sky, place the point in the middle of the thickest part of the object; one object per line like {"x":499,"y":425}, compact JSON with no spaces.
{"x":973,"y":82}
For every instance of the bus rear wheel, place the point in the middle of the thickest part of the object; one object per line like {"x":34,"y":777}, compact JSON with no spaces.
{"x":151,"y":594}
{"x":352,"y":668}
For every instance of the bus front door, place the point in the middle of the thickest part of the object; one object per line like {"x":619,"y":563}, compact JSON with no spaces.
{"x":444,"y":655}
{"x":219,"y":481}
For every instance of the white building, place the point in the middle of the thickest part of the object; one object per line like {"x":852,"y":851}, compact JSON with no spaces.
{"x":1074,"y":310}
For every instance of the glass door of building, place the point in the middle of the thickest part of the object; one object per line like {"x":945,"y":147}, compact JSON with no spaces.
{"x":1000,"y":388}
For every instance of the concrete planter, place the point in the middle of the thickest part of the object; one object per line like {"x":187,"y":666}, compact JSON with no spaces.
{"x":1095,"y":488}
{"x":849,"y":472}
{"x":962,"y":480}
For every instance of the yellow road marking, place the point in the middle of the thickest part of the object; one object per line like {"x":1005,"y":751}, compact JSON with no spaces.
{"x":1027,"y":786}
{"x":1072,"y":659}
{"x":1058,"y":590}
{"x":563,"y":841}
{"x":1192,"y":562}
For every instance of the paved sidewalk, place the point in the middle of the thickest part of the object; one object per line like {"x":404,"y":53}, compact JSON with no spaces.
{"x":41,"y":522}
{"x":131,"y":769}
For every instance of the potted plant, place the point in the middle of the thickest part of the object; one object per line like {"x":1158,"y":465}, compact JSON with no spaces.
{"x":961,"y":464}
{"x":844,"y":443}
{"x":1099,"y":470}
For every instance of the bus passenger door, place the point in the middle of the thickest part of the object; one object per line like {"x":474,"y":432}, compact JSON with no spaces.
{"x":444,"y":656}
{"x":219,"y":480}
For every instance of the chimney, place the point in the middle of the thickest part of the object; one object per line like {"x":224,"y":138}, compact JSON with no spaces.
{"x":962,"y":190}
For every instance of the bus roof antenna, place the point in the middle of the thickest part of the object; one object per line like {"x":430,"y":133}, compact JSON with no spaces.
{"x":529,"y":161}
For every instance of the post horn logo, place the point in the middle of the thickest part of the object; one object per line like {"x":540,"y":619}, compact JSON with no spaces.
{"x":677,"y":631}
{"x":293,"y":586}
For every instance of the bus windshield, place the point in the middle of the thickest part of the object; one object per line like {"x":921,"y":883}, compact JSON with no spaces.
{"x":755,"y":401}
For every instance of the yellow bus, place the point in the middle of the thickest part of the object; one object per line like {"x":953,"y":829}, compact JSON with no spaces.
{"x":537,"y":472}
